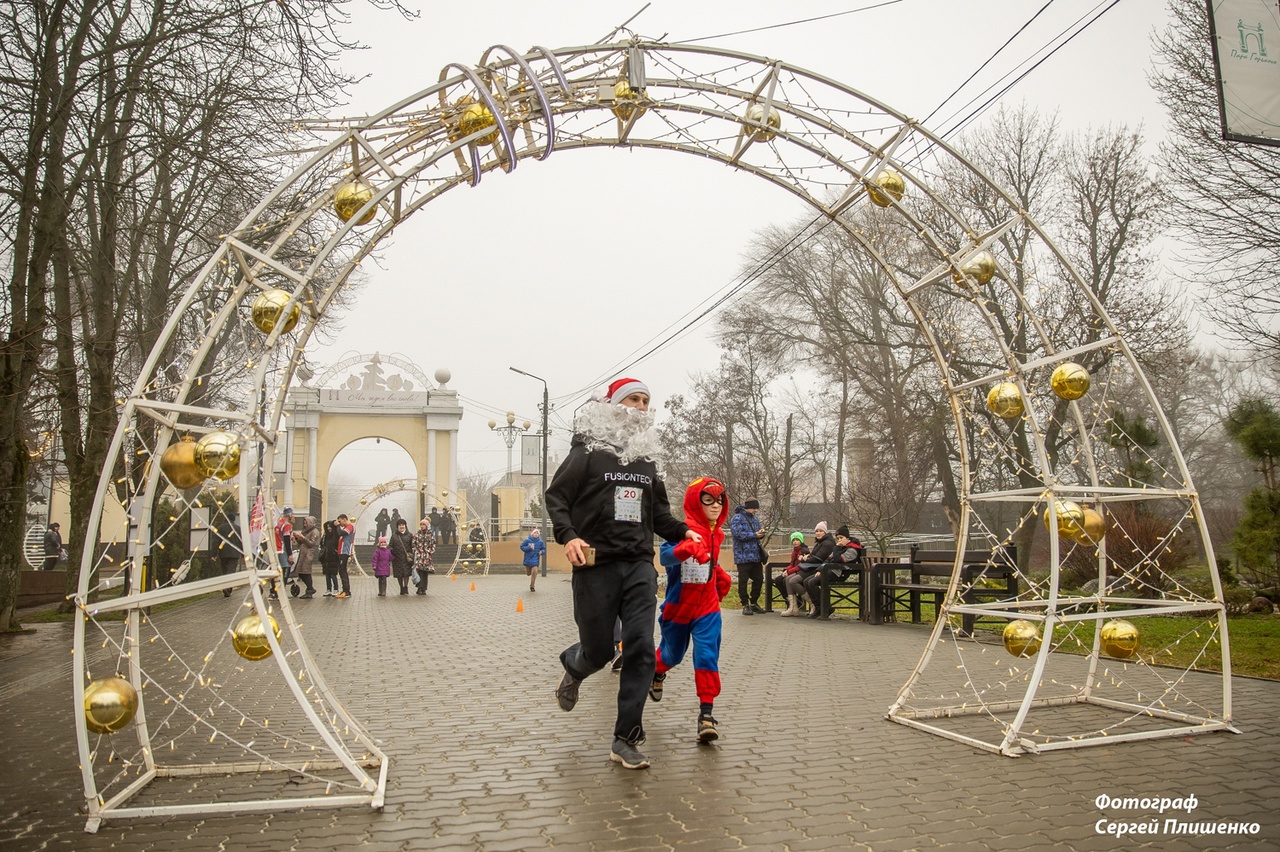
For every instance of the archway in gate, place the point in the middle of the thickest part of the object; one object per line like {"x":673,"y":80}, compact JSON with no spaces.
{"x":865,"y":168}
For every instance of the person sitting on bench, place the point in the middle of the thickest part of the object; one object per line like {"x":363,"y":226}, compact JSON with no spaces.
{"x":823,"y":547}
{"x":798,"y":549}
{"x":846,"y":557}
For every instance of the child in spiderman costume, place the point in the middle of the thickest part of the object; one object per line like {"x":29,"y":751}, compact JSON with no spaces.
{"x":695,"y":586}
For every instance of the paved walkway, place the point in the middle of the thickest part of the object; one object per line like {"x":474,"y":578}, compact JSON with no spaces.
{"x":459,"y":687}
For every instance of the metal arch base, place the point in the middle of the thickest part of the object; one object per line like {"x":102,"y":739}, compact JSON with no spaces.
{"x":829,"y":146}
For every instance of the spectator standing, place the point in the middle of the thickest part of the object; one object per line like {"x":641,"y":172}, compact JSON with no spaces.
{"x":382,"y":565}
{"x":329,"y":557}
{"x":424,"y":546}
{"x":52,"y":547}
{"x":229,"y":550}
{"x":748,"y":556}
{"x":284,"y":546}
{"x":401,"y":544}
{"x":306,"y":540}
{"x":533,"y":547}
{"x":606,"y":502}
{"x":450,"y":527}
{"x":691,"y":611}
{"x":434,"y":518}
{"x":381,"y":523}
{"x":346,"y":545}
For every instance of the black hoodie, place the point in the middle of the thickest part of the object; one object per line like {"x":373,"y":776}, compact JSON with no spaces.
{"x":589,"y":492}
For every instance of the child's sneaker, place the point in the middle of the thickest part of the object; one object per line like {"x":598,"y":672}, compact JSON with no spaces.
{"x":655,"y":688}
{"x":706,"y":728}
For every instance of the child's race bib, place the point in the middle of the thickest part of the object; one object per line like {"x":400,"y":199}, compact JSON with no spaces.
{"x":695,"y":572}
{"x":626,"y":503}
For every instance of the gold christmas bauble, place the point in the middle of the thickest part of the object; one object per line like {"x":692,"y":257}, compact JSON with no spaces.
{"x":1119,"y":639}
{"x":886,"y":187}
{"x":755,"y":114}
{"x":1005,"y":400}
{"x":350,"y":197}
{"x":626,"y":101}
{"x":217,"y":455}
{"x":1070,"y":518}
{"x":1021,"y":638}
{"x":1092,"y":528}
{"x":1070,"y":381}
{"x":981,"y":268}
{"x":267,"y":308}
{"x":109,"y":704}
{"x":179,"y":464}
{"x":475,"y":117}
{"x":249,"y":637}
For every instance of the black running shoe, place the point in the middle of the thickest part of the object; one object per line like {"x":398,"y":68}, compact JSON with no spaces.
{"x":567,"y":692}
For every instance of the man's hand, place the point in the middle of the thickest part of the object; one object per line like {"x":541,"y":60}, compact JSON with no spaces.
{"x":573,"y":552}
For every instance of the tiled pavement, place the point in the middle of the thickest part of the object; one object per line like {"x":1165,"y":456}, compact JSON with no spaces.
{"x":459,"y":687}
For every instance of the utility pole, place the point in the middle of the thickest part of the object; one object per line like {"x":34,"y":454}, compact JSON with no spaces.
{"x":546,"y":411}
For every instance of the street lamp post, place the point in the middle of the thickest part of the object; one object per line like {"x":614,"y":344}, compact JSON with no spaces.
{"x":509,"y":433}
{"x":546,"y":408}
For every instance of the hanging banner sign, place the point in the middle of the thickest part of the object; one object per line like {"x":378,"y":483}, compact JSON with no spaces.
{"x":1246,"y":55}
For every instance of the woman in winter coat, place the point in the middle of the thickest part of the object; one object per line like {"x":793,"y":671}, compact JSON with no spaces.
{"x":329,"y":557}
{"x":306,"y":541}
{"x":533,"y":548}
{"x":424,"y":545}
{"x":401,"y":544}
{"x":823,"y":547}
{"x":382,"y":565}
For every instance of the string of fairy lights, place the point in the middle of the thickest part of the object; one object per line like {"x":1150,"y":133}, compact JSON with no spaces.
{"x":254,"y":302}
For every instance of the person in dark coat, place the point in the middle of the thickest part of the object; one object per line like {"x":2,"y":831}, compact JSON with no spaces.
{"x":228,"y":548}
{"x":448,"y":528}
{"x":401,"y":544}
{"x":381,"y":524}
{"x":52,"y":547}
{"x":329,"y":557}
{"x":606,"y":502}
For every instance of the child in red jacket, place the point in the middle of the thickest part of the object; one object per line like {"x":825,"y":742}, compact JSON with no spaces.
{"x":695,"y":586}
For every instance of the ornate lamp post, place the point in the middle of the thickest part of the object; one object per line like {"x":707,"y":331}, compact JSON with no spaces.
{"x":509,"y":433}
{"x":546,"y":408}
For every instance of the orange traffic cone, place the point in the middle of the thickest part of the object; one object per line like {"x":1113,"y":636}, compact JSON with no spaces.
{"x":519,"y":604}
{"x":453,"y":577}
{"x":473,"y":586}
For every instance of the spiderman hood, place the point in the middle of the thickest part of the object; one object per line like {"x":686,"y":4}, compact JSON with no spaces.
{"x":695,"y":514}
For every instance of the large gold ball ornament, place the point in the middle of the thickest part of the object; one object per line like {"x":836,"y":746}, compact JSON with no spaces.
{"x":268,"y":307}
{"x":109,"y":704}
{"x":981,"y":268}
{"x":1119,"y":639}
{"x":1070,"y":518}
{"x":179,"y":464}
{"x":886,"y":187}
{"x":1005,"y":400}
{"x":475,"y":117}
{"x":755,"y":114}
{"x":1021,"y":638}
{"x":350,"y":197}
{"x":626,"y":101}
{"x":249,"y":637}
{"x":1070,"y":381}
{"x":1092,"y":528}
{"x":217,"y":455}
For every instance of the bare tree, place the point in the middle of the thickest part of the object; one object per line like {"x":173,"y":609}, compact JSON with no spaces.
{"x":1225,"y":195}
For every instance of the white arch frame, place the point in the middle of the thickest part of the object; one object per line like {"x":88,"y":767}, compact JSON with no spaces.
{"x":831,"y":143}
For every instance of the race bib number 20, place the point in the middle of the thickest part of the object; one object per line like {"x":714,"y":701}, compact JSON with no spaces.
{"x":626,"y":503}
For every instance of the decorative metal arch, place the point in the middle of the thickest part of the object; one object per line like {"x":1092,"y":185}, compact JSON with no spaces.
{"x":818,"y":139}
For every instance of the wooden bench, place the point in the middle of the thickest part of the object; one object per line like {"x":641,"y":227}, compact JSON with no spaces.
{"x":843,"y":594}
{"x":930,"y":574}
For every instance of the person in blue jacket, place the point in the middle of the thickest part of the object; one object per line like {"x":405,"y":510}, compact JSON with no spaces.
{"x":748,"y":555}
{"x":533,"y":548}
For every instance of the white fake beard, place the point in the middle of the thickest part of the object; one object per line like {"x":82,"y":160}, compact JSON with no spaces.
{"x":625,"y":432}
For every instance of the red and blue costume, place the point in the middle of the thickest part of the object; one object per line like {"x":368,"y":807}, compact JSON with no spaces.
{"x":695,"y":586}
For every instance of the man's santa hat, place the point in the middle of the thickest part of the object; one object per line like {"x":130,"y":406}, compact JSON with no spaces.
{"x":623,"y":388}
